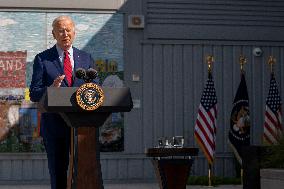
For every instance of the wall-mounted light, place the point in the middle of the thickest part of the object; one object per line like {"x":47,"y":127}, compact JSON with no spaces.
{"x":136,"y":21}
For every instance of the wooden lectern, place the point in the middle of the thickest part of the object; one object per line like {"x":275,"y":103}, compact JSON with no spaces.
{"x":85,"y":168}
{"x":172,"y":165}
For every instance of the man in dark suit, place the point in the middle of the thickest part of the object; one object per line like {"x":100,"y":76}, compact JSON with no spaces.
{"x":54,"y":67}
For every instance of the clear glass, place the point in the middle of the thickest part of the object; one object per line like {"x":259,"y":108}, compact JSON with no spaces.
{"x":178,"y":141}
{"x":161,"y":143}
{"x":167,"y":144}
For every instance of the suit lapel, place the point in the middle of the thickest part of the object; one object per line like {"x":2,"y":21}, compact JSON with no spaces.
{"x":57,"y":63}
{"x":56,"y":60}
{"x":76,"y":57}
{"x":77,"y":63}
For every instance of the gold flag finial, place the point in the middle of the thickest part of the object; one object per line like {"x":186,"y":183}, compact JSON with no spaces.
{"x":243,"y":61}
{"x":271,"y":62}
{"x":210,"y":60}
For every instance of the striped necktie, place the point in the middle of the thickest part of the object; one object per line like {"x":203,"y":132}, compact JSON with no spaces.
{"x":67,"y":68}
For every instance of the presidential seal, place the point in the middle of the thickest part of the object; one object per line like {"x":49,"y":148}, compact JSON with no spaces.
{"x":89,"y":96}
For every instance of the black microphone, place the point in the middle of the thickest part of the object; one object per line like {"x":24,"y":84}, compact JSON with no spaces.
{"x":80,"y":73}
{"x":91,"y":73}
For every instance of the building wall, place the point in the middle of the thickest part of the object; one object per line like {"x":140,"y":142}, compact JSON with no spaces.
{"x":169,"y":55}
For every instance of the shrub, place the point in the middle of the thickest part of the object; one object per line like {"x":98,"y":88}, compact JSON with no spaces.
{"x":274,"y":156}
{"x":203,"y":180}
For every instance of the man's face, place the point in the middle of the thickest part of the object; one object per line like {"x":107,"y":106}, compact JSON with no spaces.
{"x":64,"y":33}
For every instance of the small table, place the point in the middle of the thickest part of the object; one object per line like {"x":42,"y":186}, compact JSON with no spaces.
{"x":172,"y":165}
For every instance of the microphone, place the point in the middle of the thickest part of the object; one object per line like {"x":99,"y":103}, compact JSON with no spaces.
{"x":80,"y":73}
{"x":91,"y":73}
{"x":87,"y":75}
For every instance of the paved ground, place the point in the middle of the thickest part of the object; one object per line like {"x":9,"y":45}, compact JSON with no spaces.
{"x":121,"y":186}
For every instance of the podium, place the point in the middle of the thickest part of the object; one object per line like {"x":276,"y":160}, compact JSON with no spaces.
{"x":84,"y":167}
{"x":172,"y":165}
{"x":252,"y":164}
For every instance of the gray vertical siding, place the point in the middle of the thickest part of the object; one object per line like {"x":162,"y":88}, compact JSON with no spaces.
{"x":23,"y":167}
{"x":178,"y":83}
{"x":173,"y":75}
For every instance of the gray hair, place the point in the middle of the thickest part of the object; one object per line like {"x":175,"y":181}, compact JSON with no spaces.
{"x":60,"y":18}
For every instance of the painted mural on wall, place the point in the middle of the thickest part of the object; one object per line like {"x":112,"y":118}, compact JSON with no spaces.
{"x":23,"y":35}
{"x":13,"y":69}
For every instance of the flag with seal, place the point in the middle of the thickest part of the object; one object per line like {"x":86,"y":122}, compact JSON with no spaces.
{"x":239,"y":134}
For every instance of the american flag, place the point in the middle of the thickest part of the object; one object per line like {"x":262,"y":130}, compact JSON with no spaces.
{"x":205,"y":127}
{"x":272,"y":119}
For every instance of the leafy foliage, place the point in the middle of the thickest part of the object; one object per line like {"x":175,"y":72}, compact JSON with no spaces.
{"x":203,"y":180}
{"x":274,"y":157}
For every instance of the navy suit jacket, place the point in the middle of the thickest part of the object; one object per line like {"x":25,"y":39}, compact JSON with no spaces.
{"x":46,"y":68}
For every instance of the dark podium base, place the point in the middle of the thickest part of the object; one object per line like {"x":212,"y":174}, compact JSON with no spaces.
{"x":251,"y":165}
{"x":89,"y":167}
{"x":88,"y":174}
{"x":172,"y":173}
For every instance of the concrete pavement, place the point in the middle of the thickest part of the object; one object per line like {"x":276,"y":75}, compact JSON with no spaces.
{"x":122,"y":186}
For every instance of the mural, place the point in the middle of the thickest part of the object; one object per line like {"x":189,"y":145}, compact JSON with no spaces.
{"x":23,"y":35}
{"x":13,"y":69}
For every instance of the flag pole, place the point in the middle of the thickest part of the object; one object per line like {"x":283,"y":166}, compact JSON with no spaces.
{"x":209,"y":175}
{"x":242,"y":175}
{"x":243,"y":61}
{"x":271,"y":62}
{"x":210,"y":60}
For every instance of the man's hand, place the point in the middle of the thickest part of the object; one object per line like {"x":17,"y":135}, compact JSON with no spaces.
{"x":57,"y":82}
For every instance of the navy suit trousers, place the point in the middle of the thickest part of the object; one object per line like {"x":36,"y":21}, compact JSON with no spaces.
{"x":57,"y":150}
